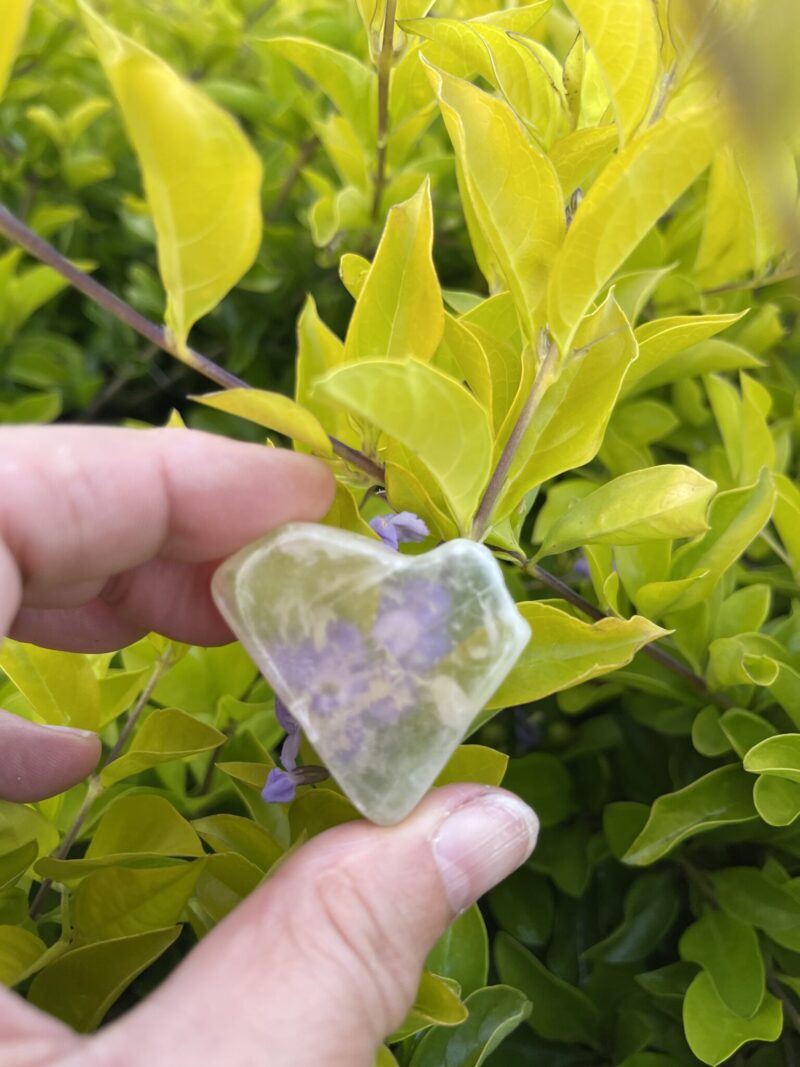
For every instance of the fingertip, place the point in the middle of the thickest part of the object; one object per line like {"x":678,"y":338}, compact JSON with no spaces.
{"x":40,"y":761}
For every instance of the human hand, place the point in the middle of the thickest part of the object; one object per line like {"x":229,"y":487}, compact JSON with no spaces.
{"x":106,"y":535}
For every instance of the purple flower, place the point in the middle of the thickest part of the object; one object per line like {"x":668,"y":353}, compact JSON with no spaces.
{"x":282,"y":786}
{"x":412,"y":624}
{"x":395,"y":530}
{"x":291,"y":745}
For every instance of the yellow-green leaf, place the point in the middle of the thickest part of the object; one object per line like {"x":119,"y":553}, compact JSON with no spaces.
{"x":432,"y":415}
{"x":81,"y":985}
{"x":484,"y":130}
{"x":715,"y":1032}
{"x":399,"y":313}
{"x":660,"y":503}
{"x":564,"y":651}
{"x":201,"y":176}
{"x":625,"y":38}
{"x":12,"y":31}
{"x":167,"y":734}
{"x":787,"y":517}
{"x":61,"y":687}
{"x":625,"y":202}
{"x":273,"y":411}
{"x":19,"y":950}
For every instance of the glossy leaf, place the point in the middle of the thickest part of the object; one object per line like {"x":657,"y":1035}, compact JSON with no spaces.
{"x":560,"y":1011}
{"x":119,"y":902}
{"x":61,"y":686}
{"x":494,"y":1013}
{"x":624,"y":37}
{"x":728,"y":951}
{"x":777,"y":800}
{"x":564,"y":651}
{"x":474,"y":763}
{"x":484,"y":129}
{"x":15,"y":863}
{"x":81,"y":985}
{"x":657,"y":504}
{"x":275,"y":412}
{"x":19,"y":951}
{"x":437,"y":1003}
{"x":714,"y":1032}
{"x":720,"y":798}
{"x":166,"y":734}
{"x":633,"y":191}
{"x":399,"y":312}
{"x":209,"y":229}
{"x":431,"y":415}
{"x":462,"y":952}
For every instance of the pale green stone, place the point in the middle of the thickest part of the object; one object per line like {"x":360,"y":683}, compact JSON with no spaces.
{"x":383,"y":659}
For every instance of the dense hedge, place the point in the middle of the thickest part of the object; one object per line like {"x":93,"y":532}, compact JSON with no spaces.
{"x":570,"y":232}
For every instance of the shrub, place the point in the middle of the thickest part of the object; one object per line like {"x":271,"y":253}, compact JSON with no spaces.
{"x":610,"y":404}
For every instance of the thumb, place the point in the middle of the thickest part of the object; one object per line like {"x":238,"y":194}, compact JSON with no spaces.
{"x":40,"y":761}
{"x":322,"y":962}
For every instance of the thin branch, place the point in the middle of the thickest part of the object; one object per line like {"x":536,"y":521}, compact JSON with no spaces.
{"x":96,"y":787}
{"x":653,"y":650}
{"x":18,"y":233}
{"x":385,"y":62}
{"x":754,"y":283}
{"x":494,"y":488}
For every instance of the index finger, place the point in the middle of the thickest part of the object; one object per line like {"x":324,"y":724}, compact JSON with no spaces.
{"x":86,"y":503}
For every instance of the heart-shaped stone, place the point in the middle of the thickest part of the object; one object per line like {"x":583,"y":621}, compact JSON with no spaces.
{"x":383,"y":659}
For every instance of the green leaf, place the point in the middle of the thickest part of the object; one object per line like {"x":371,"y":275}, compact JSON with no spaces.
{"x":15,"y":863}
{"x":225,"y":881}
{"x":345,"y":80}
{"x":736,"y":518}
{"x":437,"y":1003}
{"x":60,"y":686}
{"x":777,"y":800}
{"x":744,"y":729}
{"x":543,"y":782}
{"x":166,"y":734}
{"x":19,"y":825}
{"x":483,"y":130}
{"x":624,"y":36}
{"x":524,"y":905}
{"x":319,"y":350}
{"x":714,"y":1032}
{"x":81,"y":985}
{"x":625,"y":202}
{"x":748,"y":895}
{"x":787,"y":518}
{"x":727,"y":949}
{"x":385,"y":1058}
{"x":399,"y":313}
{"x":657,"y":504}
{"x":564,"y":651}
{"x":201,"y":176}
{"x":474,"y":763}
{"x":233,"y":833}
{"x":15,"y":24}
{"x":720,"y":798}
{"x":275,"y":412}
{"x":19,"y":951}
{"x":120,"y":901}
{"x":651,"y":908}
{"x":493,"y":1013}
{"x":560,"y":1011}
{"x":778,"y":756}
{"x":462,"y":952}
{"x":623,"y":821}
{"x":661,"y":340}
{"x":588,"y":381}
{"x":430,"y":414}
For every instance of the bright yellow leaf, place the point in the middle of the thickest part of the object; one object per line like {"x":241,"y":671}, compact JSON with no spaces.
{"x":12,"y":30}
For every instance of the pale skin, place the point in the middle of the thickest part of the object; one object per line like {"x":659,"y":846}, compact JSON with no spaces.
{"x":107,"y":535}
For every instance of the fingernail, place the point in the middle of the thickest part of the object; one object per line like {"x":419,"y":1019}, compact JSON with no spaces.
{"x":67,"y":730}
{"x":481,"y":843}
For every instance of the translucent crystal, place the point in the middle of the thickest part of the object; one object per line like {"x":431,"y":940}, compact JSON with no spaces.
{"x":384,"y":659}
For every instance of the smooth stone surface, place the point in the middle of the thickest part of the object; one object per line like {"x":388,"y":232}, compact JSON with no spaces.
{"x":383,"y":659}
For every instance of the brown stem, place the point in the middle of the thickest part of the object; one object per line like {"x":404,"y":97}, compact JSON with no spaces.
{"x":385,"y":62}
{"x":493,"y":489}
{"x":95,"y":783}
{"x":14,"y":230}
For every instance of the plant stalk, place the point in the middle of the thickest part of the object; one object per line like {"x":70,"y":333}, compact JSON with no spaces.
{"x":15,"y":231}
{"x":385,"y":63}
{"x":494,"y":488}
{"x":96,"y":787}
